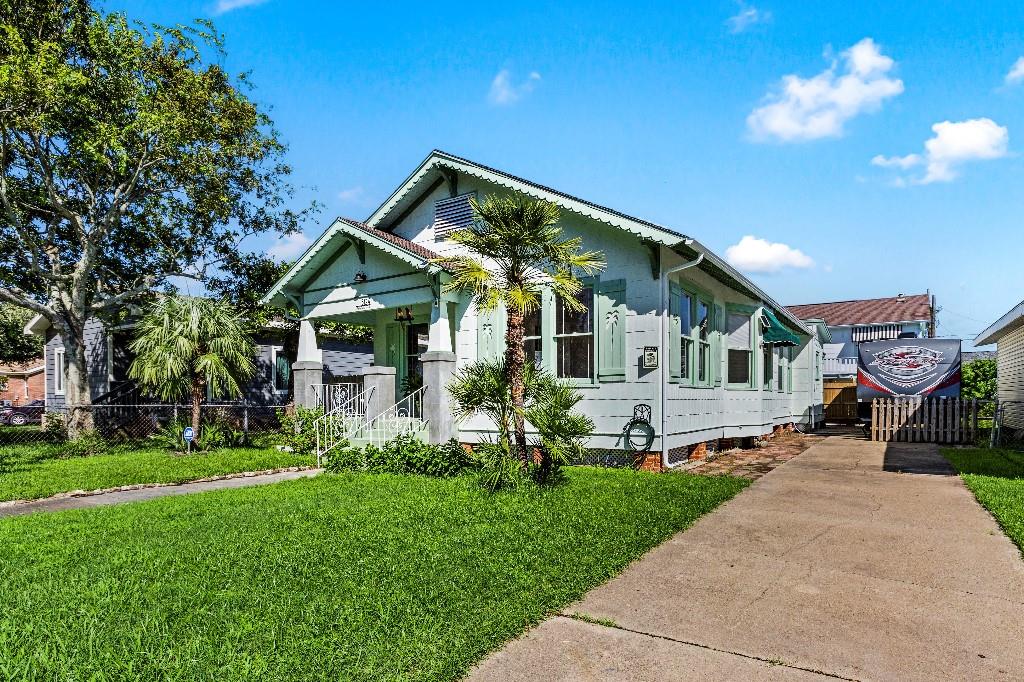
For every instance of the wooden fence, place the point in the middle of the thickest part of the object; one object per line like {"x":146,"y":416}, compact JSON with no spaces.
{"x":840,"y":400}
{"x":914,"y":419}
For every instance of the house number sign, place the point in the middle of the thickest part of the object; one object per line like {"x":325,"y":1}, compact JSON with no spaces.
{"x":650,"y":359}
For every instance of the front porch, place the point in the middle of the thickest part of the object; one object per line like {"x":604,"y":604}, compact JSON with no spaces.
{"x":357,"y":275}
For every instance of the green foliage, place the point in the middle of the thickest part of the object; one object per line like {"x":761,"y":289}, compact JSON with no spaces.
{"x":170,"y":435}
{"x":297,"y":429}
{"x":86,"y":444}
{"x":392,"y":577}
{"x":42,"y":469}
{"x":404,"y":454}
{"x":562,"y":431}
{"x":978,"y":380}
{"x":55,"y":427}
{"x":498,"y":467}
{"x":996,"y":477}
{"x":15,"y":345}
{"x":184,"y":344}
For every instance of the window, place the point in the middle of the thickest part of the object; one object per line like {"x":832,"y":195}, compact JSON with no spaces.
{"x":532,"y":338}
{"x":768,"y":365}
{"x":739,"y":345}
{"x":574,"y":337}
{"x":780,"y":384}
{"x":790,"y":356}
{"x":59,"y":371}
{"x":281,"y":369}
{"x":686,"y":336}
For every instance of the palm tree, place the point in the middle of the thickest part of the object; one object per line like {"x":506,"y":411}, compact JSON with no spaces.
{"x":519,"y":240}
{"x":185,"y":344}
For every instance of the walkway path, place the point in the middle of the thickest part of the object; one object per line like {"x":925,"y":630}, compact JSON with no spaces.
{"x":834,"y":565}
{"x":139,"y":494}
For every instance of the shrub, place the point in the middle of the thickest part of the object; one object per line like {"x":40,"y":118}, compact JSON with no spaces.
{"x":297,"y":430}
{"x":88,"y":444}
{"x":499,"y":468}
{"x":344,"y":457}
{"x":403,"y":454}
{"x":211,"y":437}
{"x":169,"y":435}
{"x":55,"y":427}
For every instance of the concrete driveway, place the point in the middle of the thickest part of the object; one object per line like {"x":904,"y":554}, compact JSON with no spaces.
{"x":852,"y":561}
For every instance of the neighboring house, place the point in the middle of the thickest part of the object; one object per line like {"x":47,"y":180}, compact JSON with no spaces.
{"x":851,"y":322}
{"x":22,"y":382}
{"x":972,"y":355}
{"x":669,"y":326}
{"x":108,"y":360}
{"x":1008,"y":334}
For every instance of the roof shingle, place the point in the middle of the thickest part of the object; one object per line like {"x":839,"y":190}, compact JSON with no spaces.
{"x":867,"y":311}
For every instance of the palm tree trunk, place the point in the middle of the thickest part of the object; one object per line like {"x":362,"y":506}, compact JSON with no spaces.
{"x":515,"y":367}
{"x":198,"y":388}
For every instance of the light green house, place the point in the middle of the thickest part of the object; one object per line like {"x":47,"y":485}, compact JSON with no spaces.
{"x":670,"y":325}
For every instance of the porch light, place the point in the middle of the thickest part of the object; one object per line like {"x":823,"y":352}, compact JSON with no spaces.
{"x":403,"y":315}
{"x":360,"y":277}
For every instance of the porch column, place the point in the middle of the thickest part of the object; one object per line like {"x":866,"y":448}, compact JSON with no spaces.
{"x":308,"y":368}
{"x":438,"y":370}
{"x":382,"y":380}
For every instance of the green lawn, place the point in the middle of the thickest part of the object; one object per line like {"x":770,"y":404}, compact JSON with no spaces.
{"x":31,"y":471}
{"x":996,"y":477}
{"x":352,"y":576}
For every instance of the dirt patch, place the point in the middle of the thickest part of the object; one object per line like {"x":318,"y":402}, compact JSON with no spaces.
{"x":754,"y":463}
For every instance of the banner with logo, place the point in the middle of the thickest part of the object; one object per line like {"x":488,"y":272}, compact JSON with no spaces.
{"x":924,"y":367}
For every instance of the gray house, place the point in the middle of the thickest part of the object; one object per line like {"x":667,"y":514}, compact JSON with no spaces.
{"x":108,"y":360}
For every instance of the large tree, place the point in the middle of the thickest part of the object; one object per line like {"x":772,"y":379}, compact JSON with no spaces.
{"x":127,"y":155}
{"x":15,"y":346}
{"x":516,"y":249}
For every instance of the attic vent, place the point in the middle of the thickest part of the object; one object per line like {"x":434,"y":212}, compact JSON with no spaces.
{"x":452,"y":214}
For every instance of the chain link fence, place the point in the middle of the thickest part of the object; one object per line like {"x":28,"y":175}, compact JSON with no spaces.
{"x":230,"y":423}
{"x":1007,"y":425}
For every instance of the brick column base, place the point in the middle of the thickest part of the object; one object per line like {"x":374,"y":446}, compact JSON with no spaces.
{"x":698,"y":451}
{"x":648,"y":461}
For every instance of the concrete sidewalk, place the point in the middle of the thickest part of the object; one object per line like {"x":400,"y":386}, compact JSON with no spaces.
{"x":838,"y":564}
{"x":51,"y":504}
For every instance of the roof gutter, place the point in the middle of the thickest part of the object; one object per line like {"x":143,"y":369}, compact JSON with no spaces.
{"x":663,"y":335}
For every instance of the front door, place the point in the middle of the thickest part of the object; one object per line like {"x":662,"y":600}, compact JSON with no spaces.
{"x":416,"y":339}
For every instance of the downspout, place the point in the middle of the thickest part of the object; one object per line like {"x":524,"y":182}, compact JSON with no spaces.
{"x":663,"y":399}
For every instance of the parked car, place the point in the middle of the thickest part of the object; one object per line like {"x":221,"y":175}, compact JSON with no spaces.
{"x":29,"y":413}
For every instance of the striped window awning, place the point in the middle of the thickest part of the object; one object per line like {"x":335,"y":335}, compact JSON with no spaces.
{"x":877,"y":332}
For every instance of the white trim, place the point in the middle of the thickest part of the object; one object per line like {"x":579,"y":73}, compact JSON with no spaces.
{"x":1005,"y":324}
{"x":59,"y":374}
{"x":274,"y":350}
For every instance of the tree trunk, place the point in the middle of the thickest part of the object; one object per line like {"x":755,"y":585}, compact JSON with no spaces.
{"x":515,"y":367}
{"x":77,"y":396}
{"x":198,"y":389}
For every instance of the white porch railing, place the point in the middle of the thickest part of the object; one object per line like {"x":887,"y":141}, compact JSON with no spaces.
{"x":329,"y":397}
{"x":337,"y":425}
{"x":402,"y":418}
{"x":840,"y":366}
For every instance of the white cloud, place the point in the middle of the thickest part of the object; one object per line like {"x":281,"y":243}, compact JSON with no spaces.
{"x":224,"y":6}
{"x":747,"y":16}
{"x":1016,"y":74}
{"x":812,"y":108}
{"x":753,"y":254}
{"x":350,"y":195}
{"x":504,"y":92}
{"x":977,"y":139}
{"x":289,"y":247}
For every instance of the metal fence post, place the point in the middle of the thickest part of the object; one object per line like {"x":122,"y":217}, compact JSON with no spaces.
{"x":245,"y":416}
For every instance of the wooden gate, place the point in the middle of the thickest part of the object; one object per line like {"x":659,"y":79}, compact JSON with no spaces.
{"x":840,"y":400}
{"x":913,"y":419}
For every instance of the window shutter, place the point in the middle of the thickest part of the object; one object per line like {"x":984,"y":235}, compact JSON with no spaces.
{"x":611,"y":330}
{"x":674,"y":330}
{"x":718,"y":327}
{"x":451,"y":215}
{"x":490,"y":333}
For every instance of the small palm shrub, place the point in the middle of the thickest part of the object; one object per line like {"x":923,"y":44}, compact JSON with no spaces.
{"x":498,"y":467}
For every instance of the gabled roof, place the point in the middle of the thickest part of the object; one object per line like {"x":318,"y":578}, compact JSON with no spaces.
{"x":439,"y":166}
{"x":868,"y":311}
{"x":27,"y":368}
{"x":1009,"y":322}
{"x":409,"y":252}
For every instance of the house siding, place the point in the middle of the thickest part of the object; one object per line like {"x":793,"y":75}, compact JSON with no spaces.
{"x":1010,"y":376}
{"x":693,"y":414}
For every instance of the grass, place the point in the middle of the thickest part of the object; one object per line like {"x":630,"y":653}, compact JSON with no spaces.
{"x":33,"y":470}
{"x":996,"y":477}
{"x":351,"y":576}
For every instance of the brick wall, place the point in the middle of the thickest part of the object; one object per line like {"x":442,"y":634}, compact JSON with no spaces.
{"x":16,"y":389}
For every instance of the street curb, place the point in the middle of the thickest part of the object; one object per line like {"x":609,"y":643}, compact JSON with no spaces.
{"x":142,"y":486}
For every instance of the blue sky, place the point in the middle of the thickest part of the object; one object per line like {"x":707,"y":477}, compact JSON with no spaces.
{"x":889,"y":158}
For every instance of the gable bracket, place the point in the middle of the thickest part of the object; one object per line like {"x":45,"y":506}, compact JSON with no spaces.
{"x":451,"y":178}
{"x":360,"y":250}
{"x":655,"y":255}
